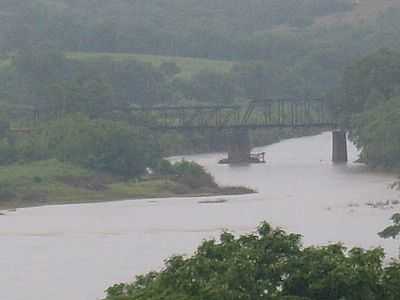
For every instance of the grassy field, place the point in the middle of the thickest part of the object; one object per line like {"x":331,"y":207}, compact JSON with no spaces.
{"x":187,"y":65}
{"x":53,"y":182}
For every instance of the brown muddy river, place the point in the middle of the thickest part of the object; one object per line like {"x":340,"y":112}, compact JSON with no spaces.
{"x":76,"y":251}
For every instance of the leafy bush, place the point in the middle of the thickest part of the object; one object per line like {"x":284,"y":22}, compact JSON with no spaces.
{"x":187,"y":173}
{"x":376,"y":132}
{"x":165,"y":167}
{"x":193,"y":175}
{"x":268,"y":265}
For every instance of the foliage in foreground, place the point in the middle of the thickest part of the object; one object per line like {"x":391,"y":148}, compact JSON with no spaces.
{"x":269,"y":264}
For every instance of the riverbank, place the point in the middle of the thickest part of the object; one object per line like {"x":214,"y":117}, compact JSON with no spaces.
{"x":298,"y":189}
{"x":51,"y":182}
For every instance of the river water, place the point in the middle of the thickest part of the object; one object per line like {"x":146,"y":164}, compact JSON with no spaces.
{"x":76,"y":251}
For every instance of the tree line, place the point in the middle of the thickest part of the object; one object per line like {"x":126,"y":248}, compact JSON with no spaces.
{"x":79,"y":111}
{"x":54,"y":85}
{"x":366,"y":100}
{"x":304,"y":62}
{"x":173,"y":27}
{"x":368,"y":103}
{"x":305,"y":59}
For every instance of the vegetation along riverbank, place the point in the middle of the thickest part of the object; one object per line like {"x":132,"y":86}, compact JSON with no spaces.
{"x":50,"y":182}
{"x":77,"y":159}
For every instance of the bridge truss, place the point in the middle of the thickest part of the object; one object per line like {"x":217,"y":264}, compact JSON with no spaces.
{"x":269,"y":113}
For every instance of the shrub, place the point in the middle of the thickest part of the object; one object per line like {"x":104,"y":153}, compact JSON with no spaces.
{"x":193,"y":175}
{"x":187,"y":173}
{"x":165,"y":167}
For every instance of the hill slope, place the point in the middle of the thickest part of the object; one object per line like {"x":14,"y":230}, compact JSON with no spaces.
{"x":363,"y":10}
{"x":210,"y":29}
{"x":187,"y":65}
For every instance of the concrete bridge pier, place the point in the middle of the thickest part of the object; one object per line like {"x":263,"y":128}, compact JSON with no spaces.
{"x":339,"y":146}
{"x":239,"y":146}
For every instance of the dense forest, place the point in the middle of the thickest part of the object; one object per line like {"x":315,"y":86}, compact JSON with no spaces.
{"x":71,"y":71}
{"x":281,"y":35}
{"x":174,"y":27}
{"x":274,"y":49}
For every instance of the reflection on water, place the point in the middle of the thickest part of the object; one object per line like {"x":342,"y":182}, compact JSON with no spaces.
{"x":76,"y":251}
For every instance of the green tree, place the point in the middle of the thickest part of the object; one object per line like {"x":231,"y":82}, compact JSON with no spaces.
{"x":370,"y":81}
{"x":375,"y":131}
{"x":211,"y":87}
{"x":102,"y":145}
{"x":267,"y":265}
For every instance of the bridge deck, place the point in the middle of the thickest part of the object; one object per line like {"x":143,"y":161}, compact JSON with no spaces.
{"x":243,"y":126}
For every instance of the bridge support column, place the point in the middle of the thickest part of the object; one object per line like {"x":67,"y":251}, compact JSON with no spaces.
{"x":239,"y":146}
{"x":339,"y":146}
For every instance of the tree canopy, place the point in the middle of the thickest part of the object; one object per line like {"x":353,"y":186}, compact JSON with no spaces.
{"x":174,"y":27}
{"x":369,"y":105}
{"x":268,"y":264}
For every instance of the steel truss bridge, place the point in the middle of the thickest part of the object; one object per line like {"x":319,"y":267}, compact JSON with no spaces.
{"x":269,"y":113}
{"x":239,"y":120}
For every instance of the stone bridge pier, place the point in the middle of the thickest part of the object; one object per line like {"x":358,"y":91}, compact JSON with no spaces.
{"x":339,"y":146}
{"x":239,"y":146}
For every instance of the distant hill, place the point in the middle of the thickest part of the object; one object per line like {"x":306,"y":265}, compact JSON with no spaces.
{"x":209,"y":29}
{"x":295,"y":46}
{"x":363,"y":11}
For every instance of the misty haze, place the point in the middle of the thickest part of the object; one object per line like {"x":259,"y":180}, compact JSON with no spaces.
{"x":200,"y":150}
